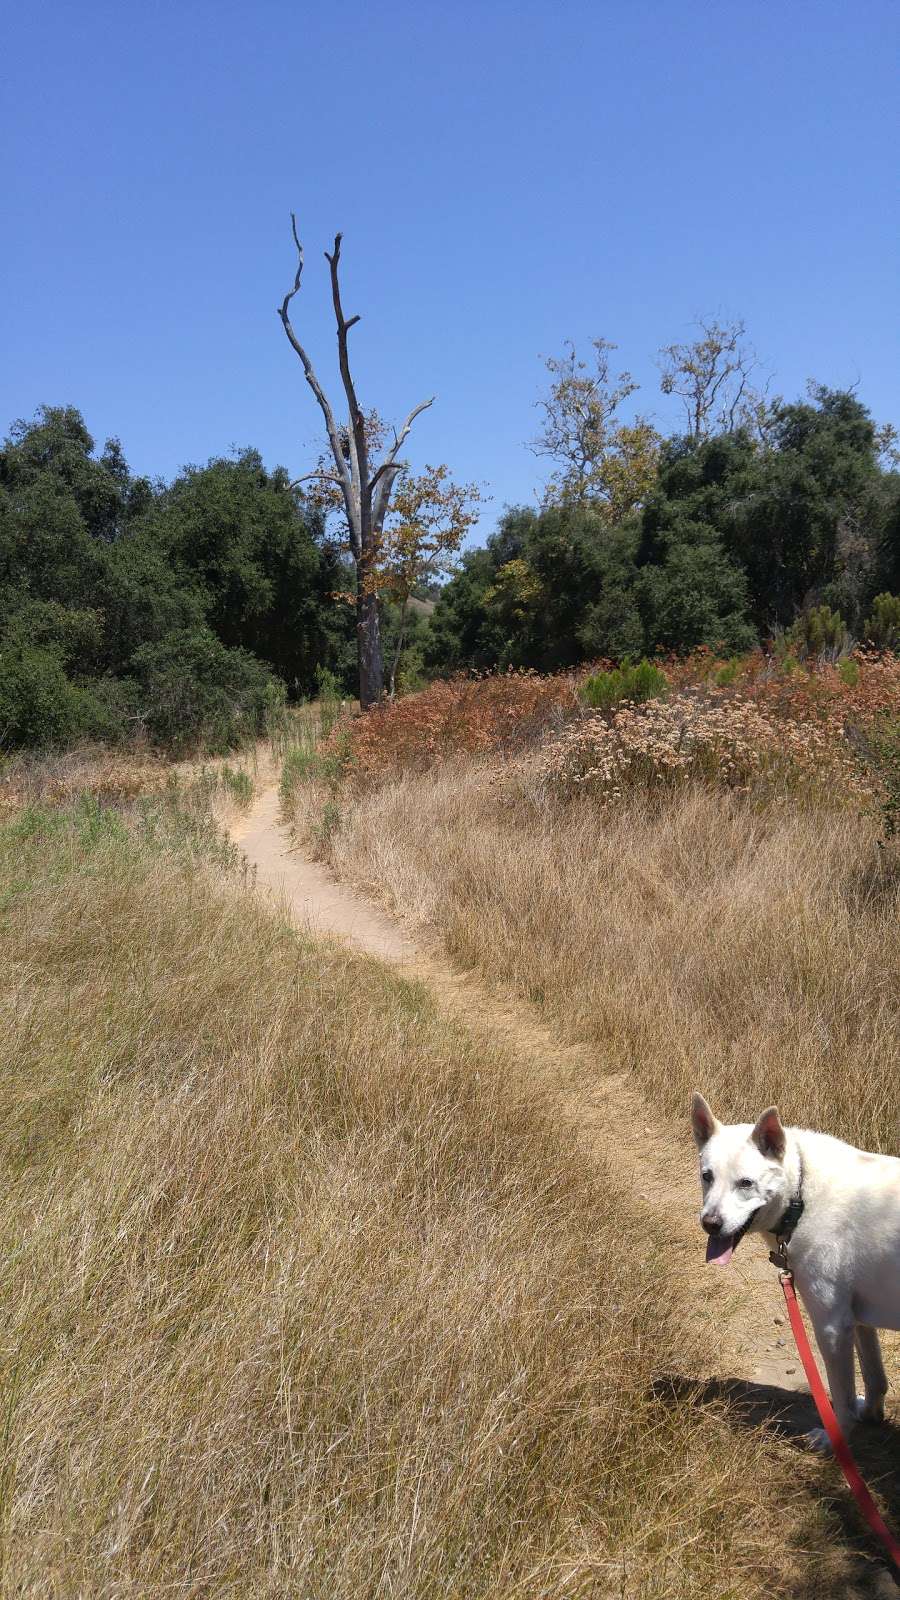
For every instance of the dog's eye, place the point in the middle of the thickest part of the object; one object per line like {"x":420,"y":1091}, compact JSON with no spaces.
{"x":706,"y":1175}
{"x":745,"y":1183}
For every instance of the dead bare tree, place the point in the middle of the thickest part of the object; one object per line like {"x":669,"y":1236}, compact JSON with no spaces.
{"x":366,"y":492}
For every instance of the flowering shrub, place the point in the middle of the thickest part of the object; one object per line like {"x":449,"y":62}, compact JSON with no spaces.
{"x":463,"y":716}
{"x":878,"y":748}
{"x":823,"y":695}
{"x":728,"y":741}
{"x":746,"y":724}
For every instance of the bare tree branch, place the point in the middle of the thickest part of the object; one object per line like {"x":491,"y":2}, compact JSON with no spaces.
{"x":328,"y":477}
{"x":383,"y":480}
{"x":309,"y":370}
{"x":359,"y":455}
{"x":386,"y":466}
{"x":400,"y":439}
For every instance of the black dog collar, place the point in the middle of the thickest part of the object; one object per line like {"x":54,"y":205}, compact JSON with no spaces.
{"x":784,"y":1231}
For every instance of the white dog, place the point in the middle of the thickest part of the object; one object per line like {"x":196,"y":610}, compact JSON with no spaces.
{"x":834,"y":1213}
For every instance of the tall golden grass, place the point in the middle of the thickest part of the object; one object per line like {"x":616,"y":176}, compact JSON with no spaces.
{"x":302,"y":1294}
{"x":697,"y":941}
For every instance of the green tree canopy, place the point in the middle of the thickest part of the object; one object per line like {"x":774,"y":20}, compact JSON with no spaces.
{"x":110,"y":586}
{"x":739,"y":532}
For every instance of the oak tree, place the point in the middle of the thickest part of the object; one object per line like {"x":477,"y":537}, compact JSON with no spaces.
{"x":599,"y":460}
{"x":429,"y":518}
{"x":711,"y":376}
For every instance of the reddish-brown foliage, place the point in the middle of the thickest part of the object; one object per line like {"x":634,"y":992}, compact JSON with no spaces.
{"x":814,"y":692}
{"x":463,"y":716}
{"x":810,"y":715}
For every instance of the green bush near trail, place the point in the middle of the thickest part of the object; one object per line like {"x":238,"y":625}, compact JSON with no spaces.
{"x":640,"y":681}
{"x":882,"y":628}
{"x":189,"y":684}
{"x":134,"y":607}
{"x":818,"y":631}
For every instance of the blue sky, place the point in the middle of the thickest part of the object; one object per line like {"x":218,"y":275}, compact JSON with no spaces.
{"x":506,"y":176}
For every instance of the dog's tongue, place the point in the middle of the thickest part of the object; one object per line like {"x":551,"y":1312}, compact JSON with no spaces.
{"x":720,"y":1250}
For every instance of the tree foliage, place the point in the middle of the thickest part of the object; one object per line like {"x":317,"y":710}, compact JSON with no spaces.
{"x":428,"y":520}
{"x":740,"y":531}
{"x":176,"y":610}
{"x":711,"y":376}
{"x":113,"y":587}
{"x":597,"y":457}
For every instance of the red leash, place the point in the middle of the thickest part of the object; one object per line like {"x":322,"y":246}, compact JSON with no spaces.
{"x":857,"y":1484}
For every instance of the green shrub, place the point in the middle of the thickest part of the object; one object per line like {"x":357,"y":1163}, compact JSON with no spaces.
{"x":307,"y":763}
{"x":276,"y":713}
{"x":818,"y":631}
{"x":194,"y":691}
{"x":727,"y":674}
{"x":328,"y":824}
{"x":883,"y":626}
{"x":848,"y":671}
{"x":238,"y":784}
{"x":301,"y":763}
{"x":411,"y":675}
{"x":641,"y":681}
{"x":40,"y":705}
{"x":329,"y":696}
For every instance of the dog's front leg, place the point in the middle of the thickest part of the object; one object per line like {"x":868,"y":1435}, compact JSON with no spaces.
{"x":834,"y":1336}
{"x":873,"y":1374}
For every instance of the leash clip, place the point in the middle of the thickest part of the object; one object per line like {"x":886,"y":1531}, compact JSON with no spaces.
{"x":779,"y":1258}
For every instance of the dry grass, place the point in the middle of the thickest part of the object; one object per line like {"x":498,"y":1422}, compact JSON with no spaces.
{"x":111,"y":775}
{"x":301,"y":1295}
{"x":117,"y":776}
{"x":700,"y":942}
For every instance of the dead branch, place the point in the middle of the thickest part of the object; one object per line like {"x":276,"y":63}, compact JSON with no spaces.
{"x":384,"y":477}
{"x":308,"y":368}
{"x":326,"y":477}
{"x":359,"y":456}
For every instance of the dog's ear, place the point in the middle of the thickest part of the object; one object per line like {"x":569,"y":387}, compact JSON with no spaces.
{"x":769,"y":1135}
{"x":703,"y":1122}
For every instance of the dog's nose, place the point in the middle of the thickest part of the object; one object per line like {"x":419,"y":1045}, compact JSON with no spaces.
{"x":711,"y":1224}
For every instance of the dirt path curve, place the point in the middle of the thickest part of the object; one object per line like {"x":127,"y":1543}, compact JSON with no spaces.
{"x":743,"y":1303}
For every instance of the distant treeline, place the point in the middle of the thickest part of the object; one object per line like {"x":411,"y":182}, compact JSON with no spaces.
{"x":739,"y":534}
{"x":184,"y":610}
{"x":177,"y":610}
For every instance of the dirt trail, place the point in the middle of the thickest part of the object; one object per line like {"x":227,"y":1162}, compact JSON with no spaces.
{"x":312,"y":893}
{"x":743,"y":1304}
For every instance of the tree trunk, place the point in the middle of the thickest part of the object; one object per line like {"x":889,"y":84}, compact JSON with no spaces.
{"x":368,"y":644}
{"x":401,"y":640}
